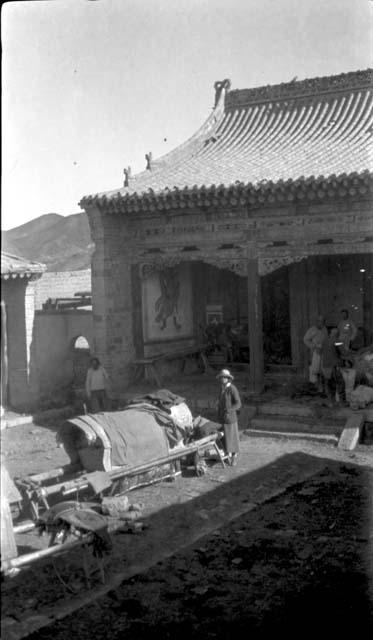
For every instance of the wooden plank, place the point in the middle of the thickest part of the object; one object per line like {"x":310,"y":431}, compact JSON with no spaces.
{"x":289,"y":425}
{"x":351,"y":433}
{"x":8,"y":541}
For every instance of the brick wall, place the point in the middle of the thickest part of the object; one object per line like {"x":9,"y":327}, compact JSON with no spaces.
{"x":18,"y":296}
{"x":61,"y":284}
{"x":55,"y":333}
{"x":113,"y":297}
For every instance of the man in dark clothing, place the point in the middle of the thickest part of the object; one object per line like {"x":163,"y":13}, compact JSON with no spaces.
{"x":229,"y":404}
{"x":330,"y":362}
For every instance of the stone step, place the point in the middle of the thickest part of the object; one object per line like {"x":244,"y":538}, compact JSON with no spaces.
{"x":352,"y":432}
{"x":314,"y":437}
{"x":285,"y":409}
{"x":275,"y":424}
{"x":15,"y":421}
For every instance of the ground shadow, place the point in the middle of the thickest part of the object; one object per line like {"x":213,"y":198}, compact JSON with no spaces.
{"x":314,"y":541}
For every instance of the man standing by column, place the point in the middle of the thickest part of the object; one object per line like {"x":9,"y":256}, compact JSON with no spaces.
{"x":229,"y":404}
{"x":96,"y":384}
{"x":314,"y":339}
{"x":346,"y":330}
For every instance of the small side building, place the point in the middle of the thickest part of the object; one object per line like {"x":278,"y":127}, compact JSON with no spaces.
{"x":19,"y":382}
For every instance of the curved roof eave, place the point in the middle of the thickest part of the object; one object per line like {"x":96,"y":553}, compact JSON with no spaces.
{"x":297,"y":130}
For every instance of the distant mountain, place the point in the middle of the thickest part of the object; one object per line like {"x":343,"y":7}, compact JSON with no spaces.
{"x":63,"y":243}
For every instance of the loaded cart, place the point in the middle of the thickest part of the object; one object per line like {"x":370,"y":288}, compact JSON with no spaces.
{"x":110,"y":454}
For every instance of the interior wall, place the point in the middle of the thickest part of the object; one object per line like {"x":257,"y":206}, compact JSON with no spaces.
{"x":324,"y":285}
{"x":339,"y":285}
{"x":225,"y":288}
{"x":276,"y":317}
{"x":54,"y":336}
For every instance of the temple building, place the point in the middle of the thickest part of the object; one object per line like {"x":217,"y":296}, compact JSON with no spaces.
{"x":261,"y":220}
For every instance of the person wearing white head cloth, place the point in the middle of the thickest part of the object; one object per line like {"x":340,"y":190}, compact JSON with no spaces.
{"x":229,"y":404}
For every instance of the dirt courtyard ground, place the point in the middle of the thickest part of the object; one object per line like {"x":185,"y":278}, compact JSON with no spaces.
{"x":282,"y":542}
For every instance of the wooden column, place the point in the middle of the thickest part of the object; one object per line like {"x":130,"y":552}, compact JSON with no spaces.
{"x":138,"y":336}
{"x":312,"y":289}
{"x":367,"y":296}
{"x":256,"y":369}
{"x":4,"y":356}
{"x":298,"y":314}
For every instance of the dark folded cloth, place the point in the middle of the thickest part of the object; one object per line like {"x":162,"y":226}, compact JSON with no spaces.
{"x":163,"y":398}
{"x":206,"y":429}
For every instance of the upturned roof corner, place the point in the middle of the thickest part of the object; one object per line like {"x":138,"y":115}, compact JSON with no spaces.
{"x":309,"y":139}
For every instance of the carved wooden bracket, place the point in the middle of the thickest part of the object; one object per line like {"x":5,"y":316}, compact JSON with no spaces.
{"x":238,"y":264}
{"x":268,"y":265}
{"x":238,"y":267}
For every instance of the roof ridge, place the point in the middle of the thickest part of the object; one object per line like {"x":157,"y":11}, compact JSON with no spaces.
{"x":301,"y":88}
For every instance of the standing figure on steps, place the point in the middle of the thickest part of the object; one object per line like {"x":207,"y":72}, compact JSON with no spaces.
{"x":229,"y":404}
{"x":314,"y":339}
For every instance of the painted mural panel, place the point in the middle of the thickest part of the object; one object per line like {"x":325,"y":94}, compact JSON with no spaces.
{"x":167,"y":304}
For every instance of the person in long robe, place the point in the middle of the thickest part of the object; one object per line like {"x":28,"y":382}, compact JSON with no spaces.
{"x":96,"y":384}
{"x":314,"y":339}
{"x":347,"y":330}
{"x":228,"y":405}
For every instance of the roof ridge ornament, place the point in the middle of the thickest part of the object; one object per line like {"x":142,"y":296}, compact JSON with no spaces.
{"x":220,"y":86}
{"x":149,"y":158}
{"x":127,"y":176}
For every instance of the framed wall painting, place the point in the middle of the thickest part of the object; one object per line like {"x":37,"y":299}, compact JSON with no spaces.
{"x":167,"y":304}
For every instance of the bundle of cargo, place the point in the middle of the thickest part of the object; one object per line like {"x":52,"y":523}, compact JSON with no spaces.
{"x":148,"y":428}
{"x":112,"y":452}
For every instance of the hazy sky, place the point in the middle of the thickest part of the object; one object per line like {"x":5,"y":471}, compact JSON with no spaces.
{"x":89,"y":87}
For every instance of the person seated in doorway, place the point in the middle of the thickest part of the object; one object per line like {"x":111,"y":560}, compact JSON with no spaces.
{"x":228,"y":405}
{"x":97,"y":381}
{"x":348,"y":373}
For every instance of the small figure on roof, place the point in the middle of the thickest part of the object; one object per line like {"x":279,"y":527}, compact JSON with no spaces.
{"x":149,"y":159}
{"x":97,"y":381}
{"x":127,"y":175}
{"x":229,"y":404}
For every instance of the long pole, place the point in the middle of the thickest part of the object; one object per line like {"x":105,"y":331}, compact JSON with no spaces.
{"x":4,"y":356}
{"x":29,"y":558}
{"x":123,"y":472}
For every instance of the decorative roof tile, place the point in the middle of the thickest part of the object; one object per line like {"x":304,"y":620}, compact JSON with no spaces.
{"x":14,"y":266}
{"x":264,"y":140}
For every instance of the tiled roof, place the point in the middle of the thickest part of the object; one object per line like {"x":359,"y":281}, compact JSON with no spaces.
{"x":281,"y":134}
{"x":14,"y":266}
